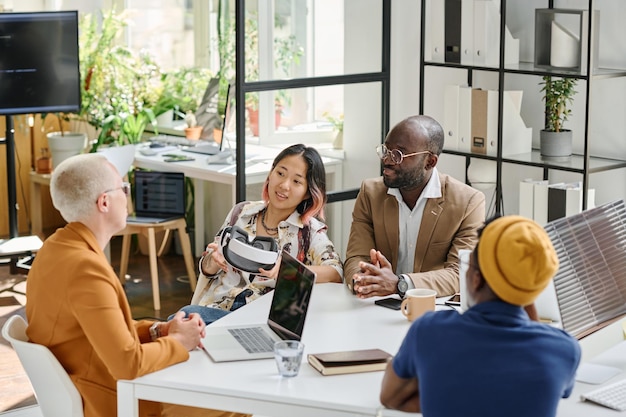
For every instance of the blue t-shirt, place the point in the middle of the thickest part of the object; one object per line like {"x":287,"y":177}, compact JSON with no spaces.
{"x":490,"y":361}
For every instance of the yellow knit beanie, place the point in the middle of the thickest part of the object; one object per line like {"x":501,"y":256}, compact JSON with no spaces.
{"x":516,"y":258}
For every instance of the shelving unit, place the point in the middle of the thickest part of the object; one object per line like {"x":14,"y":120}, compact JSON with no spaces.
{"x":584,"y":164}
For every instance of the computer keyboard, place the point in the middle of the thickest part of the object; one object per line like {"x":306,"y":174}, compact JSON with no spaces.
{"x":175,"y":140}
{"x":611,"y":396}
{"x":253,"y":339}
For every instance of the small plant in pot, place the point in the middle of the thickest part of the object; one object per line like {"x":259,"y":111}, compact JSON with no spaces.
{"x":337,"y":124}
{"x":192,"y":131}
{"x":554,"y":140}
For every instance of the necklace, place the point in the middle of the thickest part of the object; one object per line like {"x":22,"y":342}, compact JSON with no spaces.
{"x":270,"y":230}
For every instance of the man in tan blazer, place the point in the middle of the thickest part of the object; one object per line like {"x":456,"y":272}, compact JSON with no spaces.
{"x":409,"y":225}
{"x":76,"y":305}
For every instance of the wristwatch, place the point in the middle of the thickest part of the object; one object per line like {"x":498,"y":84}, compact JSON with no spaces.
{"x":402,"y":285}
{"x":155,"y":331}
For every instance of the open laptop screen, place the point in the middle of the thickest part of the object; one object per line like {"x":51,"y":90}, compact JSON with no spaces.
{"x":291,"y":298}
{"x":159,"y":194}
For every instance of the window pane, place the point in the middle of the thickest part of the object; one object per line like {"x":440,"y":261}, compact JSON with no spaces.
{"x":165,"y":29}
{"x":300,"y":38}
{"x":312,"y":113}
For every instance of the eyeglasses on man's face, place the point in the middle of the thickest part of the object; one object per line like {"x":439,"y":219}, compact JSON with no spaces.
{"x":395,"y":155}
{"x":125,"y":189}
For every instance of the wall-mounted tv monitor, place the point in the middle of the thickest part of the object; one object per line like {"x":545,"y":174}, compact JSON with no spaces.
{"x":39,"y":67}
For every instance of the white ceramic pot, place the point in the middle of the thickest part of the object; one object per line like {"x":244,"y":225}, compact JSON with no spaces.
{"x":165,"y":119}
{"x":62,"y":146}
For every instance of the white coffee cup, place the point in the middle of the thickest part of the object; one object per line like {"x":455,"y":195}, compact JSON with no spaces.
{"x":417,"y":302}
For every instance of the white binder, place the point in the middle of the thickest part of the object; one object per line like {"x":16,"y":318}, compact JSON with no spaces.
{"x":435,"y":31}
{"x":467,"y":32}
{"x":465,"y":119}
{"x":451,"y":117}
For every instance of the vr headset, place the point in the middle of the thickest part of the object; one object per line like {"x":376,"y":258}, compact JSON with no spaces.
{"x":245,"y":254}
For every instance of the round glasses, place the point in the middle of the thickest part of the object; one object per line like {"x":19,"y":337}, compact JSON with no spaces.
{"x":395,"y":155}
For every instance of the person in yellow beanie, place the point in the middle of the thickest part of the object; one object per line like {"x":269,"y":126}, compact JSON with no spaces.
{"x":492,"y":360}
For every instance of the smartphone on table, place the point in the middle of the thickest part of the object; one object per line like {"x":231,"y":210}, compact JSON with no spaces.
{"x":454,"y":301}
{"x":391,"y":302}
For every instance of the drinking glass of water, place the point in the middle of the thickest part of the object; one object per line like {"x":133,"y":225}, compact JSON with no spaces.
{"x":288,"y":354}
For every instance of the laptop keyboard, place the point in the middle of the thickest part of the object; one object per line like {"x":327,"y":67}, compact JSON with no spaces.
{"x":253,"y":339}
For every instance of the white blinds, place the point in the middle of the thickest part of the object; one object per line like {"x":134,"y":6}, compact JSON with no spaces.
{"x":591,"y":281}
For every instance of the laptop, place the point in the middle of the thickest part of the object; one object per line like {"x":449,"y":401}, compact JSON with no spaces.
{"x":159,"y":197}
{"x":288,"y":311}
{"x":210,"y":113}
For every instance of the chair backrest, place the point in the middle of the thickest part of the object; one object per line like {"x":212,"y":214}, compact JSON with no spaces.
{"x":55,"y":392}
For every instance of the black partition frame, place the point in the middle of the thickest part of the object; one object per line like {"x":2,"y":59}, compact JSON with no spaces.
{"x":242,"y":87}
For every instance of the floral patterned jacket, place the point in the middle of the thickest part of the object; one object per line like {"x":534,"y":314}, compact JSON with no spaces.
{"x":308,"y":243}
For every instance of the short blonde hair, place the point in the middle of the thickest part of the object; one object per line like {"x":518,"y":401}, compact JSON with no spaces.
{"x":76,"y":184}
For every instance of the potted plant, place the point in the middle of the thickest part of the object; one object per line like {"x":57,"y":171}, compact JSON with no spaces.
{"x":337,"y":124}
{"x":554,"y":140}
{"x":183,"y":87}
{"x":165,"y":108}
{"x":63,"y":143}
{"x":124,"y":128}
{"x":192,"y":131}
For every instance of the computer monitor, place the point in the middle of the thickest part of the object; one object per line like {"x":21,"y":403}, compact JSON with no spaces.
{"x":39,"y":66}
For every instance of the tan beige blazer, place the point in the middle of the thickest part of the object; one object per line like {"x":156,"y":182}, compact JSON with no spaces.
{"x":449,"y":223}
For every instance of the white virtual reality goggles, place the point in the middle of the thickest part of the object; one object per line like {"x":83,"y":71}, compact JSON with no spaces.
{"x":245,"y":254}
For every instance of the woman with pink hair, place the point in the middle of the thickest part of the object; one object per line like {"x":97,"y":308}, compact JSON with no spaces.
{"x":291,"y":213}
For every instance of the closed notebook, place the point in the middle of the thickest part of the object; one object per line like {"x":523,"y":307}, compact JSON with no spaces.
{"x":349,"y":362}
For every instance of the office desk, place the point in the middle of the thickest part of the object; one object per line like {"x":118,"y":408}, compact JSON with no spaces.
{"x":614,"y":356}
{"x":336,"y":321}
{"x":257,"y":168}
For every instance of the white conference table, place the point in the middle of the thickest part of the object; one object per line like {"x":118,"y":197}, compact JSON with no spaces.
{"x":258,"y":164}
{"x":336,"y":321}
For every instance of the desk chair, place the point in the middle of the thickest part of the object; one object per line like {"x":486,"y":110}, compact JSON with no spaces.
{"x":55,"y":392}
{"x":19,"y":248}
{"x":149,"y":229}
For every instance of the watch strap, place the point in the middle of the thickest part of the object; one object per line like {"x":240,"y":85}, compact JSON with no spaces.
{"x":402,"y":282}
{"x":155,"y":331}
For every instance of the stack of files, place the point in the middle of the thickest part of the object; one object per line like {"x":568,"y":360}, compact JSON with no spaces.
{"x":566,"y":199}
{"x":483,"y":116}
{"x":467,"y":32}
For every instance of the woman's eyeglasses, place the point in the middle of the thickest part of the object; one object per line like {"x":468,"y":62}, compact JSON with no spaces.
{"x":395,"y":155}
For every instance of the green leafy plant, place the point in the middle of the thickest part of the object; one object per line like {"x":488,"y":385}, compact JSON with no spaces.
{"x":558,"y":95}
{"x":124,"y":128}
{"x":165,"y":103}
{"x":337,"y":121}
{"x":184,"y":87}
{"x":114,"y":79}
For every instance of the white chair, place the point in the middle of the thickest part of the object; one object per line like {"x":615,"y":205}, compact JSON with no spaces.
{"x":55,"y":392}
